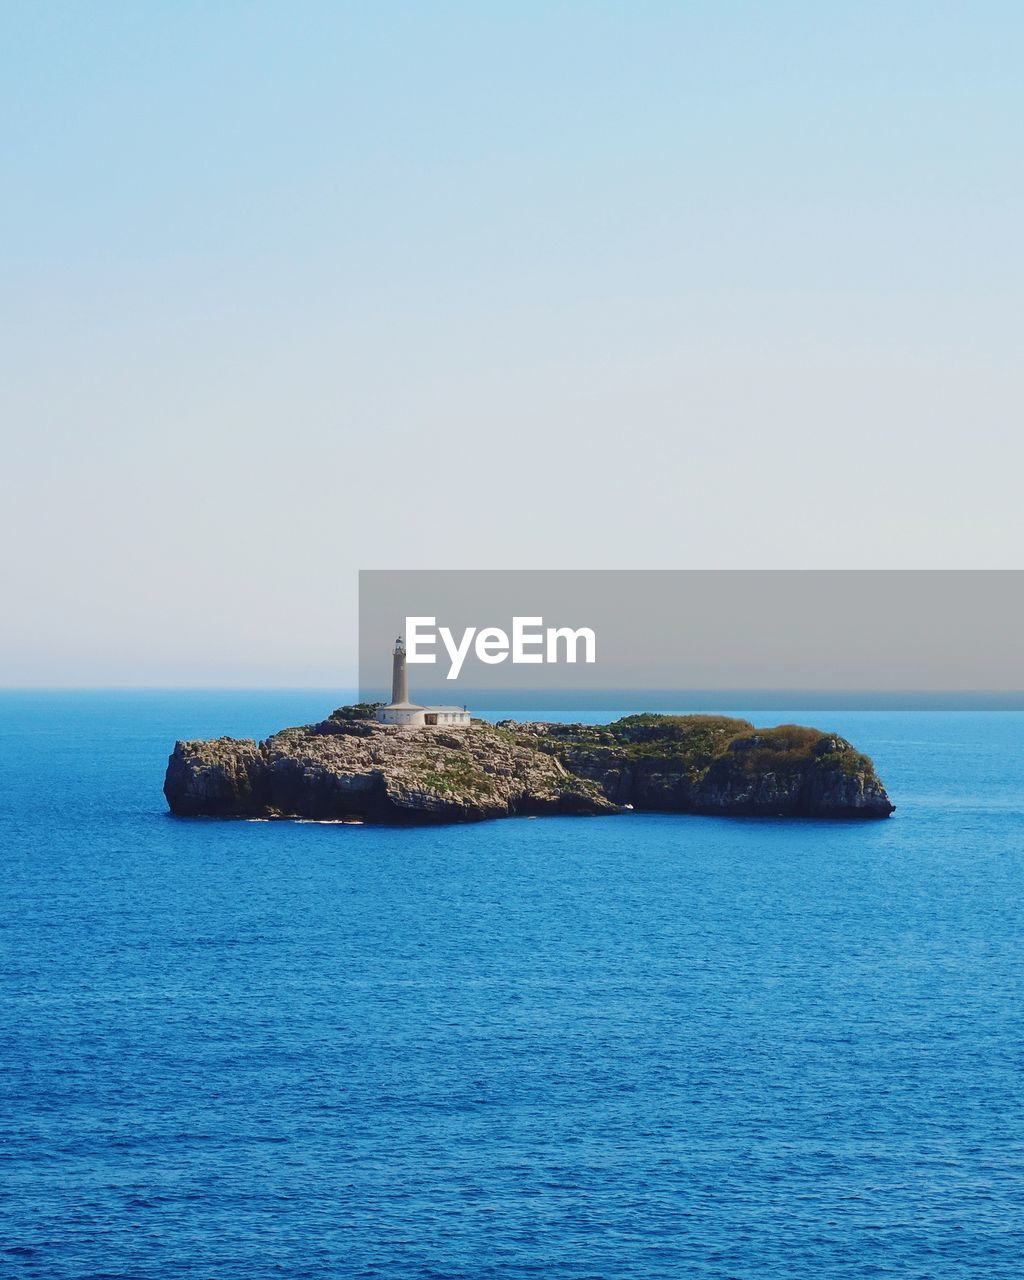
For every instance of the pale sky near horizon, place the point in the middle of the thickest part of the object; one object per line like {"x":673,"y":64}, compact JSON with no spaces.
{"x":292,"y":290}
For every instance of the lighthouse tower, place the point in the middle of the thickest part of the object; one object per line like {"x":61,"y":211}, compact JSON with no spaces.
{"x":399,"y":675}
{"x":400,"y":710}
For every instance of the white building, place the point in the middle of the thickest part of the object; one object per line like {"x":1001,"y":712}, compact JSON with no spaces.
{"x":408,"y":714}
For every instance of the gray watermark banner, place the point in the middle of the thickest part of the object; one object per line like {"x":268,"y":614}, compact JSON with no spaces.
{"x":565,"y":637}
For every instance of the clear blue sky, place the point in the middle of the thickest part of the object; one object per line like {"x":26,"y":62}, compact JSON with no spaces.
{"x":294,"y":289}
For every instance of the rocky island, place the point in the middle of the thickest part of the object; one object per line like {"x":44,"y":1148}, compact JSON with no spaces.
{"x":351,"y":768}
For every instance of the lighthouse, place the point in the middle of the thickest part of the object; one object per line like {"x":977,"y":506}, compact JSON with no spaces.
{"x":399,"y":675}
{"x":408,"y":715}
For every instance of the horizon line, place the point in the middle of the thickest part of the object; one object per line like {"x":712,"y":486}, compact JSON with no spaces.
{"x":763,"y":698}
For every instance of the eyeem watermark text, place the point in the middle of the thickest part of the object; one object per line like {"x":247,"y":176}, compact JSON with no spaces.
{"x":530,"y":642}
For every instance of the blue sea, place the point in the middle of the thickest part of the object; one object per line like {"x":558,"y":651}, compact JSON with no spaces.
{"x":637,"y":1046}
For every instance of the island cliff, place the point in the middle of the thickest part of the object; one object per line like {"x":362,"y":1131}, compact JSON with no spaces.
{"x":348,"y":767}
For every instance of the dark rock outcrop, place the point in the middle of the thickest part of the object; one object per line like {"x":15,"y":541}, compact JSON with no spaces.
{"x":716,"y":765}
{"x":224,"y":778}
{"x":350,"y":768}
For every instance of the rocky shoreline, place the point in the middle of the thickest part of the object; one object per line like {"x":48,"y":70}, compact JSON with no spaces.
{"x":349,"y":768}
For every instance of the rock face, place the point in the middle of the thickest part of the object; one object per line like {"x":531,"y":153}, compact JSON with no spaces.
{"x":716,"y":765}
{"x":219,"y":779}
{"x":349,"y":767}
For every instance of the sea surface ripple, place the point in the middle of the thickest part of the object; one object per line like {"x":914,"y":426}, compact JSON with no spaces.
{"x":640,"y":1046}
